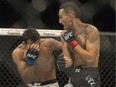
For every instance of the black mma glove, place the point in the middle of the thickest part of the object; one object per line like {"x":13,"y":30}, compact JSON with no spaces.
{"x":31,"y":55}
{"x":60,"y":63}
{"x":70,"y":38}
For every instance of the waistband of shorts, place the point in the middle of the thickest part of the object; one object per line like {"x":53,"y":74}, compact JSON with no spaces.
{"x":86,"y":68}
{"x":44,"y":83}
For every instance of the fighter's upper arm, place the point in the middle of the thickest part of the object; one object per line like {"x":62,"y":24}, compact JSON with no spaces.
{"x":93,"y":42}
{"x":17,"y":57}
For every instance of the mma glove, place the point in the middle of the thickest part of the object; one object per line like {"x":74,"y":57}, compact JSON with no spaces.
{"x":70,"y":38}
{"x":31,"y":55}
{"x":60,"y":63}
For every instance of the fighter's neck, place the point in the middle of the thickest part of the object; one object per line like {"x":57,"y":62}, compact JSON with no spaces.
{"x":78,"y":26}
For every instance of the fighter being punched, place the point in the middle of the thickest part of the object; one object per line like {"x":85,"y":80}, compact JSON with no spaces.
{"x":35,"y":60}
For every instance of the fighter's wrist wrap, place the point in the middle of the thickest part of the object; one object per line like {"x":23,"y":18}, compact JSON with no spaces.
{"x":73,"y":43}
{"x":70,"y":38}
{"x":31,"y":55}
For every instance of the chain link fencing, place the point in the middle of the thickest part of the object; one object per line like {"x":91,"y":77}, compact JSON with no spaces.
{"x":9,"y":76}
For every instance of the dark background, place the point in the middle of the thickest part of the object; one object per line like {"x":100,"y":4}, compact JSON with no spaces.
{"x":10,"y":16}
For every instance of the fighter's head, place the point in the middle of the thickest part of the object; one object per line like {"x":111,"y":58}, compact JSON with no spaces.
{"x":30,"y":36}
{"x":68,"y":11}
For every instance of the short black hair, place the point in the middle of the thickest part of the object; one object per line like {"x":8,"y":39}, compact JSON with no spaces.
{"x":71,"y":7}
{"x":30,"y":34}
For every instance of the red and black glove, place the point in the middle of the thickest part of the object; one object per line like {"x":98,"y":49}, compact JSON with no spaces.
{"x":70,"y":38}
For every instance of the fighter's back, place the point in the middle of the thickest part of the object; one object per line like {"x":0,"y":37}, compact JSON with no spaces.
{"x":44,"y":67}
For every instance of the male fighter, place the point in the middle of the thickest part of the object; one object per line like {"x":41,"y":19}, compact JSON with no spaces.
{"x":35,"y":60}
{"x":81,"y":46}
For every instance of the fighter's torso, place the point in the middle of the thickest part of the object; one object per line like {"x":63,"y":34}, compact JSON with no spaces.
{"x":82,"y":42}
{"x":44,"y":67}
{"x":82,"y":39}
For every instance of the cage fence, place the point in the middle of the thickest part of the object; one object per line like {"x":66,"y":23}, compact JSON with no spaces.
{"x":9,"y":76}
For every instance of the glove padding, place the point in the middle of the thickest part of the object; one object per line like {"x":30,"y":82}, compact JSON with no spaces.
{"x":60,"y":63}
{"x":70,"y":38}
{"x":31,"y":55}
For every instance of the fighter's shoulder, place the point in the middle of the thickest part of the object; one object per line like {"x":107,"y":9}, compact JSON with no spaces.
{"x":48,"y":40}
{"x":91,"y":29}
{"x":92,"y":33}
{"x":18,"y":49}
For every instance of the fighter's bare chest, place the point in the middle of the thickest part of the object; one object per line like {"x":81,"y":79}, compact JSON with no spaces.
{"x":82,"y":39}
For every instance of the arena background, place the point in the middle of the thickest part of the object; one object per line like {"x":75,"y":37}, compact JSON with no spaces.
{"x":43,"y":14}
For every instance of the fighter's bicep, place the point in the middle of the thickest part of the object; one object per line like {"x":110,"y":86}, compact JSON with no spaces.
{"x":92,"y":48}
{"x":92,"y":44}
{"x":17,"y":57}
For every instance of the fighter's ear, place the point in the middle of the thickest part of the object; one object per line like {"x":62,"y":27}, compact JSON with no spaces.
{"x":70,"y":16}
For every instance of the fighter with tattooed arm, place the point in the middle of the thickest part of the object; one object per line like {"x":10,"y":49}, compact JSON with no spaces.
{"x":81,"y":47}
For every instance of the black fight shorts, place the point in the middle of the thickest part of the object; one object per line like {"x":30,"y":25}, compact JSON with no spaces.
{"x":85,"y":77}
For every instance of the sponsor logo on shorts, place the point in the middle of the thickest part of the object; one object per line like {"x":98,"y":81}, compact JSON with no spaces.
{"x":77,"y":70}
{"x":90,"y":80}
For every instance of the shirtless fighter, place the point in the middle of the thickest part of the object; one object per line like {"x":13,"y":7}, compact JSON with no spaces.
{"x":81,"y":47}
{"x":35,"y":61}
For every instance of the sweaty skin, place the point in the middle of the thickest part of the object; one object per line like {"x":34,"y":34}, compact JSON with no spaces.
{"x":86,"y":53}
{"x":91,"y":46}
{"x":44,"y":67}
